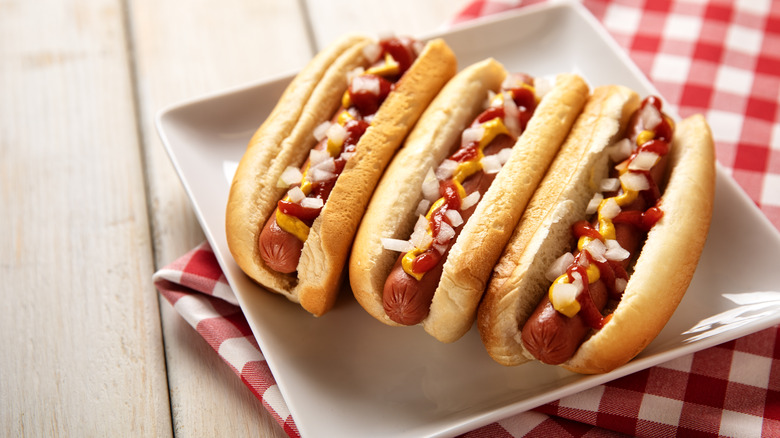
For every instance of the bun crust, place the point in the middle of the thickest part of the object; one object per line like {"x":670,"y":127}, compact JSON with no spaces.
{"x":285,"y":139}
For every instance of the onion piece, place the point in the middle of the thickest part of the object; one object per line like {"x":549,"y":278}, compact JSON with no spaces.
{"x":615,"y":252}
{"x":441,"y":248}
{"x":430,"y":186}
{"x":609,"y":185}
{"x":620,"y":284}
{"x":650,"y":117}
{"x":559,"y":266}
{"x":609,"y":209}
{"x":420,"y":237}
{"x":347,"y":155}
{"x":593,"y":204}
{"x":512,"y":115}
{"x":454,"y":217}
{"x":296,"y":195}
{"x":397,"y":245}
{"x":504,"y":155}
{"x":319,"y":175}
{"x":422,"y":207}
{"x":312,"y":203}
{"x":596,"y":249}
{"x":290,"y":176}
{"x":446,"y":169}
{"x":320,"y":132}
{"x":368,"y":84}
{"x":644,"y":160}
{"x":490,"y":164}
{"x":446,"y":233}
{"x":471,"y":135}
{"x":469,"y":201}
{"x":372,"y":52}
{"x":337,"y":133}
{"x":355,"y":72}
{"x":634,"y":181}
{"x":620,"y":150}
{"x":317,"y":156}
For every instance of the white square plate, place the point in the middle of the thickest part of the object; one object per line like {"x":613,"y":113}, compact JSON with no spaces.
{"x":348,"y":374}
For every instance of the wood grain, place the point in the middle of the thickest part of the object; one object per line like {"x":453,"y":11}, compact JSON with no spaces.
{"x":82,"y":351}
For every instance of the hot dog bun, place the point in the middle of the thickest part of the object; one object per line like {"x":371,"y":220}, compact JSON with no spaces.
{"x":391,"y":213}
{"x":285,"y":139}
{"x":666,"y":262}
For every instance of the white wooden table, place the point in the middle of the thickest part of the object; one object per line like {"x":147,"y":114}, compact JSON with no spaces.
{"x":91,"y":205}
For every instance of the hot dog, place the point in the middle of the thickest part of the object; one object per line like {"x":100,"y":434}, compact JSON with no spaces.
{"x":616,"y":227}
{"x":310,"y":169}
{"x":453,"y":157}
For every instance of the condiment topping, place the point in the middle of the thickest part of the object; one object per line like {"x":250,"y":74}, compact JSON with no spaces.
{"x":367,"y":89}
{"x":600,"y":255}
{"x":507,"y":115}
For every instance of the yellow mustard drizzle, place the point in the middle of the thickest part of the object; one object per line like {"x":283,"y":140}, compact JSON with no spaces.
{"x":607,"y":230}
{"x":292,"y":224}
{"x":491,"y":129}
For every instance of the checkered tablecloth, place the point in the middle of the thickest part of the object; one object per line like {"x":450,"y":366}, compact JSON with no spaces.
{"x":717,"y":57}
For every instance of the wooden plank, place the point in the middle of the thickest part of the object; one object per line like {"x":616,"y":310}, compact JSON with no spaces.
{"x":183,"y":52}
{"x":82,"y":351}
{"x":331,"y":18}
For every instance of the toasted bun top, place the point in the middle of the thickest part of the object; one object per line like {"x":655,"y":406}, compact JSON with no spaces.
{"x":668,"y":259}
{"x":391,"y":212}
{"x":285,"y":139}
{"x":543,"y":234}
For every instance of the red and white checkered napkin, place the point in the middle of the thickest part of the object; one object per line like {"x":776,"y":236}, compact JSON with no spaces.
{"x":717,"y":57}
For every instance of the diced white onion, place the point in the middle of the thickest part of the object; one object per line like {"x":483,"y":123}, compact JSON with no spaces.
{"x":372,"y":52}
{"x":369,"y":84}
{"x":512,"y":115}
{"x":504,"y":154}
{"x":321,"y":130}
{"x":296,"y":194}
{"x":318,"y":175}
{"x":469,"y":201}
{"x":454,"y":217}
{"x":490,"y":164}
{"x":430,"y":186}
{"x":593,"y":205}
{"x":543,"y":85}
{"x":347,"y":155}
{"x":421,"y":239}
{"x":596,"y":249}
{"x":446,"y":233}
{"x":559,"y":266}
{"x":609,"y":185}
{"x":620,"y":284}
{"x":644,"y":160}
{"x":512,"y":80}
{"x":446,"y":169}
{"x":471,"y":135}
{"x":564,"y":293}
{"x":615,"y":251}
{"x":312,"y":202}
{"x":422,"y":207}
{"x":650,"y":117}
{"x":317,"y":156}
{"x":355,"y":72}
{"x":491,"y":99}
{"x":290,"y":176}
{"x":634,"y":181}
{"x":441,"y":248}
{"x":328,"y":165}
{"x":337,"y":133}
{"x":610,"y":209}
{"x":620,"y":150}
{"x":396,"y":244}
